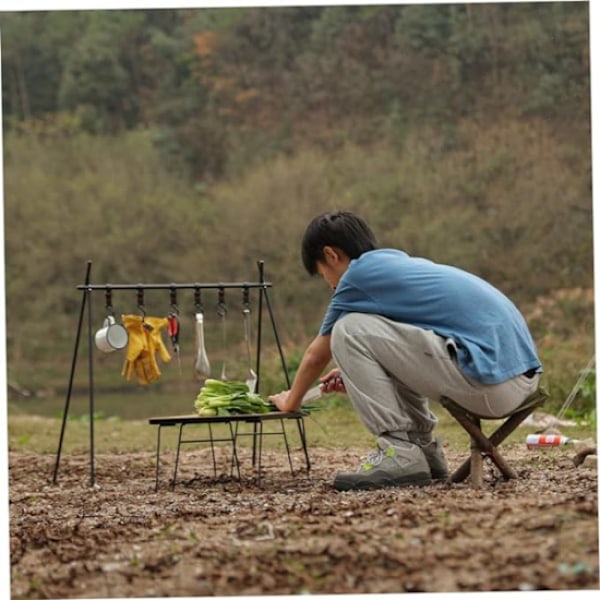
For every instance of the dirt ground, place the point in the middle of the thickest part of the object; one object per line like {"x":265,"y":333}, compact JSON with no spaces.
{"x":295,"y":534}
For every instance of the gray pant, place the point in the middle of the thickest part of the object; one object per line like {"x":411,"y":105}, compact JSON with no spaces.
{"x":391,"y":370}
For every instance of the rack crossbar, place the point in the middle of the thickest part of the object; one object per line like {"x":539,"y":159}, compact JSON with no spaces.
{"x":170,"y":286}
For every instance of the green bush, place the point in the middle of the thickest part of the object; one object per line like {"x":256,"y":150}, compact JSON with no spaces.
{"x":507,"y":202}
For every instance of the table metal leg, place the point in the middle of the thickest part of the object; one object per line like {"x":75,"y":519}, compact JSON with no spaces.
{"x":234,"y":457}
{"x":287,"y":446}
{"x":259,"y":426}
{"x":157,"y":459}
{"x":255,"y":425}
{"x":302,"y":433}
{"x":212,"y":449}
{"x":177,"y":456}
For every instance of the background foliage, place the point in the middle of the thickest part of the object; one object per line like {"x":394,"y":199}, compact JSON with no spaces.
{"x":184,"y":145}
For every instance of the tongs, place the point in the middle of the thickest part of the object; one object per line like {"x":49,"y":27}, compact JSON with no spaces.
{"x":252,"y":379}
{"x":222,"y":312}
{"x":202,"y":364}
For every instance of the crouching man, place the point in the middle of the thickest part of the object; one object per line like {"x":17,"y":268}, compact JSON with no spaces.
{"x":404,"y":331}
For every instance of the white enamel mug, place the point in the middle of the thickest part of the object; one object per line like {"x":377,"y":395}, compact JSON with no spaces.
{"x":113,"y":336}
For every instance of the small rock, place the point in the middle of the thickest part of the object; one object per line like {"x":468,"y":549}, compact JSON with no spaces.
{"x":590,"y":461}
{"x":584,"y":448}
{"x":552,"y":431}
{"x":584,"y":444}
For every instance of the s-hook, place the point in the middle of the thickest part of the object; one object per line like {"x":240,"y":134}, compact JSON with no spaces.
{"x":108,"y":301}
{"x":198,"y":299}
{"x":222,"y":312}
{"x":173,"y":325}
{"x":142,"y":309}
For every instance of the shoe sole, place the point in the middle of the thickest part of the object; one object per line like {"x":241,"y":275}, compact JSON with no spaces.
{"x":344,"y":485}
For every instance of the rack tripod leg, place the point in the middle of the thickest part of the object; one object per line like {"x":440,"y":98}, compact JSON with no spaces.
{"x":71,"y":376}
{"x":261,"y":277}
{"x":91,"y":389}
{"x":275,"y":332}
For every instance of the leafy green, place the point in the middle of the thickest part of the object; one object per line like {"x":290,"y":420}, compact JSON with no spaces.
{"x":229,"y":398}
{"x":233,"y":398}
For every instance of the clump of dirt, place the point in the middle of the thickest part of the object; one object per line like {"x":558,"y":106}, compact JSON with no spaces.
{"x":216,"y":535}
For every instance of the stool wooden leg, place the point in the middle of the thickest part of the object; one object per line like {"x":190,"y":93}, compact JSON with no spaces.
{"x":462,"y":472}
{"x":476,"y":459}
{"x":487,"y":446}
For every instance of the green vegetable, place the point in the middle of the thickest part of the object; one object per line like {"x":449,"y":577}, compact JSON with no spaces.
{"x":232,"y":398}
{"x":229,"y":398}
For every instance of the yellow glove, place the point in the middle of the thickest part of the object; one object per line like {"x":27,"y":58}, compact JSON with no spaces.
{"x":128,"y":369}
{"x":144,"y":342}
{"x":136,"y":344}
{"x":155,"y":342}
{"x":145,"y":368}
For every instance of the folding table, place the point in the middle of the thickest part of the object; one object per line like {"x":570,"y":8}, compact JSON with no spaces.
{"x":232,"y":421}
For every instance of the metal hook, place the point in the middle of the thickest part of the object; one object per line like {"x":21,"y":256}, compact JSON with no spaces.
{"x":108,"y":301}
{"x":198,"y":299}
{"x":173,"y":299}
{"x":222,"y":312}
{"x":140,"y":305}
{"x":140,"y":302}
{"x":246,"y":299}
{"x":221,"y":306}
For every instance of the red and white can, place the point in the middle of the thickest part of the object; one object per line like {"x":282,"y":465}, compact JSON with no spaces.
{"x":535,"y":440}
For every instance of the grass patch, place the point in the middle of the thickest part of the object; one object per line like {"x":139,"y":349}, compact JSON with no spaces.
{"x":336,"y":426}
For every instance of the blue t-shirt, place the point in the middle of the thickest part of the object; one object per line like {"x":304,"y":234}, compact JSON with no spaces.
{"x":493,"y":341}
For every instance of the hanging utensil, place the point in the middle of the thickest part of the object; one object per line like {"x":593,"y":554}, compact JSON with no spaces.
{"x":112,"y":336}
{"x":222,"y":312}
{"x":173,"y":333}
{"x":202,"y":364}
{"x":252,"y":379}
{"x":173,"y":327}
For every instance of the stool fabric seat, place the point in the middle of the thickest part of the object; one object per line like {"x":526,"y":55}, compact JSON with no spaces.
{"x":482,"y":445}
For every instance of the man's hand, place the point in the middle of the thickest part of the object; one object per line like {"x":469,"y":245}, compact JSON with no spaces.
{"x":332,"y":382}
{"x":280,"y":400}
{"x":314,"y":360}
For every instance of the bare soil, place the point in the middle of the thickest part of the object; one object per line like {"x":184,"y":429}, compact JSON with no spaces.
{"x":295,"y":534}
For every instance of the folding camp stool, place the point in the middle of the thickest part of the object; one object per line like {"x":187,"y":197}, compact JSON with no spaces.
{"x":487,"y":446}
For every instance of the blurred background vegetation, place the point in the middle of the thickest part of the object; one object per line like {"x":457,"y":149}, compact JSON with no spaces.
{"x":185,"y":145}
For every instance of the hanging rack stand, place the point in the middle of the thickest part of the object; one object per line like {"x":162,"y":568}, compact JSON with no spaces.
{"x":233,"y":421}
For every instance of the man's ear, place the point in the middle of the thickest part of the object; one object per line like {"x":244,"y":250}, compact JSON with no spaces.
{"x":331,"y":255}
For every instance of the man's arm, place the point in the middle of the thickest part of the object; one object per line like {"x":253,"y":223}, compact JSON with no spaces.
{"x":314,"y":360}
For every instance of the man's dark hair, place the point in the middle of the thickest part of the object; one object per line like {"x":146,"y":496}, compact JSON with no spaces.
{"x":341,"y":229}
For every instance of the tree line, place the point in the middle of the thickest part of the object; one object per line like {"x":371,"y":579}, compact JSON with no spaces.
{"x":224,"y":88}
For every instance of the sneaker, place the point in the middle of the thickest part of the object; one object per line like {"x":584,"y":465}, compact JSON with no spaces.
{"x":432,"y":448}
{"x":399,"y":465}
{"x":435,"y":459}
